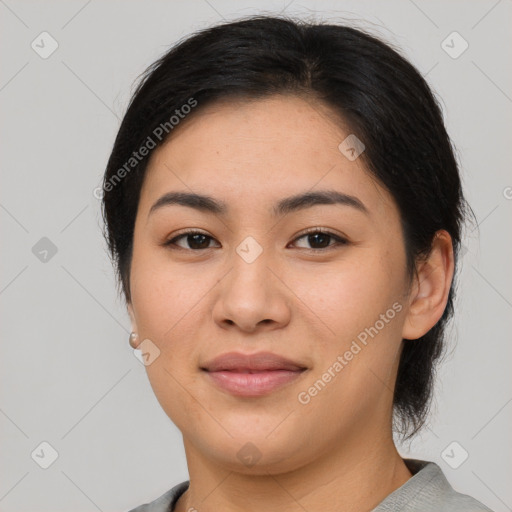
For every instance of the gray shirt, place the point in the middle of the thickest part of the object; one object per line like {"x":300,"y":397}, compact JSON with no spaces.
{"x":427,"y":490}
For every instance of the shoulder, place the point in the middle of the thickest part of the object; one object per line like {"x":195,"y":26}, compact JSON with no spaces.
{"x":165,"y":502}
{"x":428,"y":490}
{"x":439,"y":491}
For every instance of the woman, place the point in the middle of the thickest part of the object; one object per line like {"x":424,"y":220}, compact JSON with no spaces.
{"x":284,"y":210}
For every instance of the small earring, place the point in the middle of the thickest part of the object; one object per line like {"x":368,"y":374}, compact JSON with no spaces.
{"x":133,"y":339}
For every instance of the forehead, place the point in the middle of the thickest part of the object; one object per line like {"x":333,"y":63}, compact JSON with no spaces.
{"x":255,"y":152}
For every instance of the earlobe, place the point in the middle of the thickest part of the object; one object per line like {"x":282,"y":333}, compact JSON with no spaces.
{"x":431,"y":288}
{"x":134,"y":335}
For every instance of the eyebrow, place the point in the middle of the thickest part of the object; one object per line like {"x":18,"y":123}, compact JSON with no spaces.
{"x":287,"y":205}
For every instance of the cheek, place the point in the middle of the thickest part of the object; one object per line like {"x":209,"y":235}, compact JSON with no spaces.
{"x":161,"y":294}
{"x":350,"y":296}
{"x":164,"y":301}
{"x":359,"y":305}
{"x":169,"y":304}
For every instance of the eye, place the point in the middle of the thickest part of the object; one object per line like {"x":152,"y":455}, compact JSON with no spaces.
{"x":321,"y":238}
{"x":197,"y":240}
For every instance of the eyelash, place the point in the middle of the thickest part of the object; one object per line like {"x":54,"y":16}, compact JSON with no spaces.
{"x":339,"y":241}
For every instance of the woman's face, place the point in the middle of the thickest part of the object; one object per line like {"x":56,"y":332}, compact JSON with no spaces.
{"x":256,"y":282}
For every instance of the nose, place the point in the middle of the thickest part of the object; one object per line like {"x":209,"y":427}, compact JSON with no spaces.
{"x":252,"y":297}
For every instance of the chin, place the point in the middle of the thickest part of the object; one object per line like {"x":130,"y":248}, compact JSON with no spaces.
{"x":255,"y":453}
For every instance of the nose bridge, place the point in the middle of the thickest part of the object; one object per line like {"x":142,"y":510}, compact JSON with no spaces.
{"x":250,"y":261}
{"x":250,"y":294}
{"x":249,"y":250}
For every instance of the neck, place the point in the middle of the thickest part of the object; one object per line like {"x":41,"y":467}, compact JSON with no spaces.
{"x":354,"y":476}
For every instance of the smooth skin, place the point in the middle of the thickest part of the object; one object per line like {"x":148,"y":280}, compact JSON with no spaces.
{"x":305,"y":298}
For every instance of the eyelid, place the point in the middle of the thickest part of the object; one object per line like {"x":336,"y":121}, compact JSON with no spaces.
{"x":320,"y":229}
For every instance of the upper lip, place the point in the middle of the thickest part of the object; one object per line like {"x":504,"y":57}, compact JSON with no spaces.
{"x":246,"y":362}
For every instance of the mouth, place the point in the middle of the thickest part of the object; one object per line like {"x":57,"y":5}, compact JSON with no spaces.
{"x":252,"y":375}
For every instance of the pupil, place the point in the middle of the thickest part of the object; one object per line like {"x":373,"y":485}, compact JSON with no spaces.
{"x":195,"y":238}
{"x":323,"y":237}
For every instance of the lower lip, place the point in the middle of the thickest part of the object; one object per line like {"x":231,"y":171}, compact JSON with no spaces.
{"x":253,"y":384}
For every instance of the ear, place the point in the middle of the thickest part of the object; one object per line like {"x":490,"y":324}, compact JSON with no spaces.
{"x":431,"y":288}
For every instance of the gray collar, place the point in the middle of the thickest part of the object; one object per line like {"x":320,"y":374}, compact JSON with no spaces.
{"x":427,"y":490}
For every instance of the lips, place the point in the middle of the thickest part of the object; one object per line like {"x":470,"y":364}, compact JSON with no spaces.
{"x":251,"y":363}
{"x":252,"y":375}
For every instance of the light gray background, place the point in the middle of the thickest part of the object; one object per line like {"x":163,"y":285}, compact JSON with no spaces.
{"x":68,"y":375}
